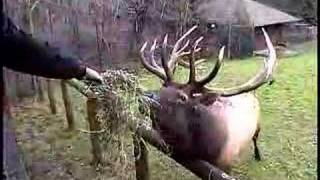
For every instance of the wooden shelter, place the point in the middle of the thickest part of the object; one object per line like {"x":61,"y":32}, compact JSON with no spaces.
{"x":238,"y":24}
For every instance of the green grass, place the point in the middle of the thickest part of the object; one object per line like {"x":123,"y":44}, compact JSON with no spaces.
{"x":289,"y":125}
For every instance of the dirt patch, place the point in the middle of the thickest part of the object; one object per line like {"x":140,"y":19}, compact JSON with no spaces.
{"x":53,"y":153}
{"x":50,"y":151}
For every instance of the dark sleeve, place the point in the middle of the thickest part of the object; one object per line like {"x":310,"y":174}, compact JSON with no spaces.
{"x":21,"y":52}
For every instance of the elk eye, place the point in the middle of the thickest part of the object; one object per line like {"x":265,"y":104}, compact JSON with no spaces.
{"x":183,"y":97}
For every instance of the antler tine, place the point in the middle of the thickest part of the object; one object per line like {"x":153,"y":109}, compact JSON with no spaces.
{"x":272,"y":55}
{"x":152,"y":49}
{"x":164,"y":56}
{"x":175,"y":52}
{"x":262,"y":77}
{"x":215,"y":70}
{"x":181,"y":51}
{"x":192,"y":73}
{"x":192,"y":68}
{"x":195,"y":47}
{"x":187,"y":65}
{"x":155,"y":70}
{"x":166,"y":73}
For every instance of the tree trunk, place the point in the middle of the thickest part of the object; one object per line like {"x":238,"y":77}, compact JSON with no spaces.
{"x":98,"y":43}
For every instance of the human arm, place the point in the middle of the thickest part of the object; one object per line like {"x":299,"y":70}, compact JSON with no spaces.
{"x":21,"y":52}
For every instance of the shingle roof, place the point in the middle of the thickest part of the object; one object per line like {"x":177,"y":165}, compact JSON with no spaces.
{"x":242,"y":11}
{"x":222,"y":11}
{"x":262,"y":15}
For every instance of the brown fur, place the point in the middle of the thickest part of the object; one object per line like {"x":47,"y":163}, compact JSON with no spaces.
{"x":187,"y":126}
{"x":191,"y":129}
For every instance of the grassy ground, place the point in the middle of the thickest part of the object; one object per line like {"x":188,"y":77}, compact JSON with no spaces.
{"x":287,"y":139}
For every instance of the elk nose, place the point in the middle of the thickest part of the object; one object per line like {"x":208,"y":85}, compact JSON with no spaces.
{"x":180,"y":101}
{"x":194,"y":109}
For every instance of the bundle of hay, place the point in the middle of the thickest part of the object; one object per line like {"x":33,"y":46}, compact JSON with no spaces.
{"x":119,"y":96}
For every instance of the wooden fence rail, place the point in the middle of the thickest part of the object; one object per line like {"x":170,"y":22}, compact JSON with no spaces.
{"x":200,"y":168}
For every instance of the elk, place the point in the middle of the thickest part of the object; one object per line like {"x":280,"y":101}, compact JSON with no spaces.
{"x":198,"y":122}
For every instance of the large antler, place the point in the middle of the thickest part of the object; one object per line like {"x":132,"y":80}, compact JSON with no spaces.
{"x":214,"y":71}
{"x":259,"y":79}
{"x":176,"y":52}
{"x":154,"y":68}
{"x":165,"y":73}
{"x":193,"y":62}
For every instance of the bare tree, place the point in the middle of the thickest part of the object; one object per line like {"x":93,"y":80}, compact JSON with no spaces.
{"x":99,"y":8}
{"x":51,"y":97}
{"x":137,"y":10}
{"x":73,"y":21}
{"x":36,"y":81}
{"x":184,"y":15}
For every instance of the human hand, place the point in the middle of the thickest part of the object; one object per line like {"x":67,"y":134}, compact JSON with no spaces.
{"x":93,"y":75}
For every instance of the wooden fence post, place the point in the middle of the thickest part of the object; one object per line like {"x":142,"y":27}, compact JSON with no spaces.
{"x":67,"y":105}
{"x":40,"y":89}
{"x":141,"y":158}
{"x":94,"y":126}
{"x":52,"y":100}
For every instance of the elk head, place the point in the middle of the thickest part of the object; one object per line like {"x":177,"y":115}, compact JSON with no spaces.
{"x":212,"y":124}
